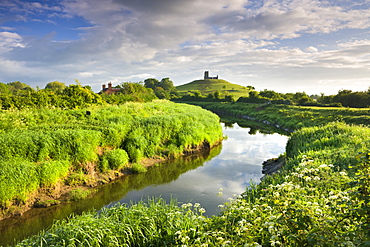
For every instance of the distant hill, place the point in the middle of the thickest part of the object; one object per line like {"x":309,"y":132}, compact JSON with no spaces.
{"x":211,"y":85}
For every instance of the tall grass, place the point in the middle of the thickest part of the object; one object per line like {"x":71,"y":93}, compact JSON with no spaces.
{"x":107,"y":138}
{"x":150,"y":223}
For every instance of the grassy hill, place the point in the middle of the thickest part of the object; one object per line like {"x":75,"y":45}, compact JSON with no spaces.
{"x":212,"y":85}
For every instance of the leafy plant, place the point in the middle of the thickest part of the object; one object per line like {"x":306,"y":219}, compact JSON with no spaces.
{"x":113,"y":160}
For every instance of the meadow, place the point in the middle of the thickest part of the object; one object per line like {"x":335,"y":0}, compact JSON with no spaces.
{"x":41,"y":149}
{"x":290,"y":117}
{"x":319,"y":198}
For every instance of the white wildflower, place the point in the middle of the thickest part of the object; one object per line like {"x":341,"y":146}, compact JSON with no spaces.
{"x":202,"y":210}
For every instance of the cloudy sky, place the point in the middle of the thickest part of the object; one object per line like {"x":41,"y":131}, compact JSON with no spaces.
{"x":284,"y":45}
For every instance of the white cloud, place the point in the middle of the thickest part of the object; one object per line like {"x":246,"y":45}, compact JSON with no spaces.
{"x":247,"y":42}
{"x":312,"y":49}
{"x":9,"y":40}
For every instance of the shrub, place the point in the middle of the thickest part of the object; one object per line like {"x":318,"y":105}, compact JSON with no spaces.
{"x":114,"y":159}
{"x":49,"y":172}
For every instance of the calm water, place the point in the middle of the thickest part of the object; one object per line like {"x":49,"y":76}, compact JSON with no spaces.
{"x":231,"y":166}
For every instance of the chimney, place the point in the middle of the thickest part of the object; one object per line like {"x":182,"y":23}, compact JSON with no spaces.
{"x":104,"y":86}
{"x":109,"y":85}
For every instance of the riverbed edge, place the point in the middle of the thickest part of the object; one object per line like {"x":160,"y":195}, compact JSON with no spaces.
{"x":60,"y":193}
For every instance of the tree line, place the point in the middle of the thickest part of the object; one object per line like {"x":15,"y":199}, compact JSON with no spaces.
{"x":344,"y":98}
{"x":18,"y":95}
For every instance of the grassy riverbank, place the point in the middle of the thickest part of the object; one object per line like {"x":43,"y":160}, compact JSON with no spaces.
{"x":290,"y":117}
{"x":42,"y":150}
{"x":320,"y":198}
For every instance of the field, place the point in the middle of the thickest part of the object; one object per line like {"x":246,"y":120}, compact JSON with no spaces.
{"x":290,"y":117}
{"x":43,"y":149}
{"x":212,"y":85}
{"x":320,"y":198}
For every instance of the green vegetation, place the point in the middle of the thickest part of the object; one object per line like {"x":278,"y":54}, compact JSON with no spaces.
{"x":41,"y":147}
{"x":289,"y":117}
{"x":320,"y":198}
{"x":79,"y":194}
{"x":163,"y":89}
{"x":113,"y":160}
{"x":16,"y":95}
{"x":129,"y":91}
{"x":214,"y":90}
{"x":209,"y":87}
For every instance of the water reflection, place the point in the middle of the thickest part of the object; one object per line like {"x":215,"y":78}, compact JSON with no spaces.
{"x":237,"y":165}
{"x":196,"y":178}
{"x":34,"y":220}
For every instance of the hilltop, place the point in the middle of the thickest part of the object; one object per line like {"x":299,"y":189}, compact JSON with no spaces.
{"x":207,"y":86}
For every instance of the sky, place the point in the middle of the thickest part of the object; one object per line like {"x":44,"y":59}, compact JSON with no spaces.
{"x":307,"y":46}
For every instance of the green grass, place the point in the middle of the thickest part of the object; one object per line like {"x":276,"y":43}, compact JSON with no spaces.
{"x":150,"y":223}
{"x":53,"y":145}
{"x":290,"y":117}
{"x":320,"y":198}
{"x":212,"y":85}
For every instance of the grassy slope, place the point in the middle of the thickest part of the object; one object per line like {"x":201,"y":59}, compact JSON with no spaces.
{"x":212,"y":85}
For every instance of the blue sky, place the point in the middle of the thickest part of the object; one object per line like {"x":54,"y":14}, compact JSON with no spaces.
{"x":282,"y":45}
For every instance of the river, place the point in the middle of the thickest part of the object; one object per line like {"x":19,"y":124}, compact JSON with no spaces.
{"x":229,"y":167}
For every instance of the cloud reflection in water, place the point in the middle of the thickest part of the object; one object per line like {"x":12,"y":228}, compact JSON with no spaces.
{"x":239,"y":163}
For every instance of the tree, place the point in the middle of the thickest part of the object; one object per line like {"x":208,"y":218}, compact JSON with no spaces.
{"x":197,"y":93}
{"x":167,"y":85}
{"x":162,"y":89}
{"x":269,"y":94}
{"x":304,"y":100}
{"x":4,"y":89}
{"x":132,"y":88}
{"x":325,"y":99}
{"x":151,"y":83}
{"x":161,"y":93}
{"x":253,"y":94}
{"x":137,"y":92}
{"x":230,"y":98}
{"x":16,"y":86}
{"x":76,"y":96}
{"x":56,"y":86}
{"x":217,"y":95}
